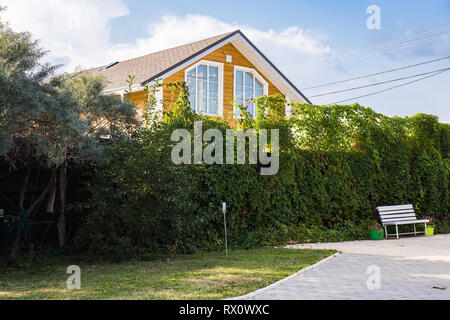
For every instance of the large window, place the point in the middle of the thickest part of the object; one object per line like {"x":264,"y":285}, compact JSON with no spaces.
{"x":248,"y":84}
{"x":205,"y":81}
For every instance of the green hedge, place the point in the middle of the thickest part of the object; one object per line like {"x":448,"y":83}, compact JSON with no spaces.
{"x":336,"y":165}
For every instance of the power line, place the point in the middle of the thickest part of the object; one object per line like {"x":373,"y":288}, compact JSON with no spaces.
{"x":391,"y":88}
{"x":374,"y":52}
{"x":381,"y":46}
{"x":378,"y":83}
{"x":375,"y":74}
{"x":386,"y":47}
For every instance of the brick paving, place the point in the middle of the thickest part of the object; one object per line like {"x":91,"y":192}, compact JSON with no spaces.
{"x":409,"y":269}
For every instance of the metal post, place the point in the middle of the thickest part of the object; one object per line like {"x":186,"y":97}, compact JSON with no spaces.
{"x":224,"y":209}
{"x":396,"y":230}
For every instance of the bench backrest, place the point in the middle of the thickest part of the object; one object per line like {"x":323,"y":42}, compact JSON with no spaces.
{"x":397,"y":213}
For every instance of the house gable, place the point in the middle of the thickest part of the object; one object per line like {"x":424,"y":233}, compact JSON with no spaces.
{"x":171,"y":65}
{"x":220,"y":55}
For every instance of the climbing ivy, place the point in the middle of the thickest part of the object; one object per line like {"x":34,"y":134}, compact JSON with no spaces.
{"x":337,"y":164}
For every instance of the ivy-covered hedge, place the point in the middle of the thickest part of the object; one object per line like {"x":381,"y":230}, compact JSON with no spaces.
{"x":336,"y":165}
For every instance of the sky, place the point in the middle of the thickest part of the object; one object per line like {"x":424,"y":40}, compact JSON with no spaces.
{"x":311,"y":42}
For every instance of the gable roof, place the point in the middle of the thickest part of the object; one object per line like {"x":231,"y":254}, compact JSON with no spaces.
{"x":161,"y":64}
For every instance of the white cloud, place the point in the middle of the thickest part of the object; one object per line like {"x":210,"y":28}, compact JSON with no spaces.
{"x":77,"y":32}
{"x":172,"y":31}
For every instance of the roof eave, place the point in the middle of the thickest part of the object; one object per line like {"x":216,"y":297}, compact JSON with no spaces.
{"x":193,"y":56}
{"x":217,"y":43}
{"x":274,"y":67}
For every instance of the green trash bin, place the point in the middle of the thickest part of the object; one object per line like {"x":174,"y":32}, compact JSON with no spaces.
{"x":376,"y":234}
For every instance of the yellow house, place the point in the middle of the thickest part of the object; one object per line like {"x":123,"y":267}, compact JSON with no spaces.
{"x":218,"y":71}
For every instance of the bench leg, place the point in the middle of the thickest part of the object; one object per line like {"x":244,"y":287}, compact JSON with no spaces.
{"x":426,"y":233}
{"x":415,"y":232}
{"x":385,"y":232}
{"x":396,"y":230}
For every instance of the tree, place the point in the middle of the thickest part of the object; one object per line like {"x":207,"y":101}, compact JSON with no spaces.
{"x":52,"y":121}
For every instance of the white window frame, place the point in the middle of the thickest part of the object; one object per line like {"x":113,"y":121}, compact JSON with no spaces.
{"x":255,"y":76}
{"x":219,"y":66}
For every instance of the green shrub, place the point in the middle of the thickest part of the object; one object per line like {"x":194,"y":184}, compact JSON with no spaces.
{"x":337,"y":164}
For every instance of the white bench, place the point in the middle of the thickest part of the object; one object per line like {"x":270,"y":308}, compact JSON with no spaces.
{"x":399,"y":215}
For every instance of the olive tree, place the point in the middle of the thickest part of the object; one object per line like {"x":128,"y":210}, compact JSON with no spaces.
{"x":52,"y":121}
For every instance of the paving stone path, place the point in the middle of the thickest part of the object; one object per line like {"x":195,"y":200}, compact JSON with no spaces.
{"x":410,"y":268}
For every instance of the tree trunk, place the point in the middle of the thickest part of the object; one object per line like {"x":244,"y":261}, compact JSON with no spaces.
{"x":38,"y":201}
{"x":62,"y":198}
{"x":15,"y":246}
{"x":16,"y":243}
{"x":23,"y":191}
{"x":52,"y":197}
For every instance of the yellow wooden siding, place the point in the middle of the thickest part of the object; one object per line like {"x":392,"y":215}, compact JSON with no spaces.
{"x":138,"y":99}
{"x":219,"y":55}
{"x":228,"y":77}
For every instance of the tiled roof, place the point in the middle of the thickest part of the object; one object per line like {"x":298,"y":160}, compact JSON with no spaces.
{"x":152,"y":66}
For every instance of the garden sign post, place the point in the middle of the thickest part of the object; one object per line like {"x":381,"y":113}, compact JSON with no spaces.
{"x":224,"y":209}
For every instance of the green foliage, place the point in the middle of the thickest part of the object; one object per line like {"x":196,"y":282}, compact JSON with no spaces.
{"x":59,"y":117}
{"x":51,"y":122}
{"x":25,"y":98}
{"x":337,"y":164}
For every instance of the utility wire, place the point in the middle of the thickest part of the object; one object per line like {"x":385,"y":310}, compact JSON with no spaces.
{"x":375,"y":74}
{"x":378,"y":83}
{"x":382,"y":47}
{"x":391,"y":88}
{"x":375,"y":52}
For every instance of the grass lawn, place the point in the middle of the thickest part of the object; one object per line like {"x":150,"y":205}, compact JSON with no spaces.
{"x":199,"y":276}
